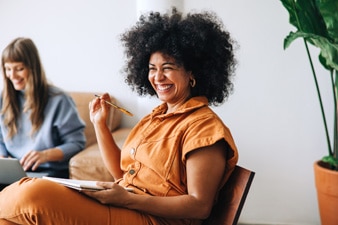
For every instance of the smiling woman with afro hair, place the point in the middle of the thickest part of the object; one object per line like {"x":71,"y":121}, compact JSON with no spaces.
{"x":197,"y":41}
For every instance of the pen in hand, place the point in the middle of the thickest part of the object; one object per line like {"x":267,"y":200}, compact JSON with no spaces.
{"x":115,"y":106}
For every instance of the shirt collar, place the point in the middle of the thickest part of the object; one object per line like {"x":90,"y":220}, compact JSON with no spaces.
{"x":192,"y":104}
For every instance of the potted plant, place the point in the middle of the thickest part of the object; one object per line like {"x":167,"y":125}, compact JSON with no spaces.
{"x":317,"y":23}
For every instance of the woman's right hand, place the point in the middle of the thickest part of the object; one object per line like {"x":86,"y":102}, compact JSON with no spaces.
{"x":99,"y":110}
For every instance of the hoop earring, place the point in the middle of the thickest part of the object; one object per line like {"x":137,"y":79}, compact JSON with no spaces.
{"x":192,"y":82}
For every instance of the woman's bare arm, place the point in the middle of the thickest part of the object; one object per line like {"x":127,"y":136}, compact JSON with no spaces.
{"x":110,"y":152}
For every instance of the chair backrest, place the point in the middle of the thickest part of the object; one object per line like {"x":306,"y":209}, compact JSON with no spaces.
{"x":231,"y":198}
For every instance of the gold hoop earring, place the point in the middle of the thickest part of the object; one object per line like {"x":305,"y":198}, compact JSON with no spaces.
{"x":192,"y":82}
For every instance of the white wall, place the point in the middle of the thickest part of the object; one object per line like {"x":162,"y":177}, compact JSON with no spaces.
{"x":273,"y":114}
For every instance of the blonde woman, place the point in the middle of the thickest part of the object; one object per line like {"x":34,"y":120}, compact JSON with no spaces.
{"x":39,"y":123}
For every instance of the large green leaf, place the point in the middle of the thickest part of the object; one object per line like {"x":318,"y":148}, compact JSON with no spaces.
{"x":329,"y":12}
{"x":329,"y":51}
{"x":305,"y":16}
{"x":317,"y":22}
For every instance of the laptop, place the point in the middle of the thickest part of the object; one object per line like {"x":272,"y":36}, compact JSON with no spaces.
{"x":11,"y":171}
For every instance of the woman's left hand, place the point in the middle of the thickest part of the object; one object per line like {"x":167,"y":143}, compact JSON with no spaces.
{"x":113,"y":194}
{"x":33,"y":159}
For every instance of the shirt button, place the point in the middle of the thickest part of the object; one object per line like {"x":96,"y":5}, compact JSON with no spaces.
{"x":132,"y":151}
{"x":131,"y":172}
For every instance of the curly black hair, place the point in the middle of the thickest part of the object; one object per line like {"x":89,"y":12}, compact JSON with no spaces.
{"x":198,"y":41}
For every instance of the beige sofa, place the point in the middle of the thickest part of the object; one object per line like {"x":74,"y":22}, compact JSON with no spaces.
{"x":88,"y":164}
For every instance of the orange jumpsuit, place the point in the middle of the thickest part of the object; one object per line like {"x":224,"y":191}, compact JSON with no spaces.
{"x":153,"y":159}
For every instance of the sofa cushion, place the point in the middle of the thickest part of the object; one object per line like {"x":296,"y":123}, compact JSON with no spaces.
{"x":82,"y":100}
{"x":88,"y":164}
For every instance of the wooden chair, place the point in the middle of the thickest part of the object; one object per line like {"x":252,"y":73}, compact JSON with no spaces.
{"x":231,"y":198}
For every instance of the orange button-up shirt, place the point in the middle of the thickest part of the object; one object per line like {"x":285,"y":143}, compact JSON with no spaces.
{"x":154,"y":155}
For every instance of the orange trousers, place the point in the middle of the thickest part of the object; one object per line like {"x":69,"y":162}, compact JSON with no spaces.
{"x":42,"y":202}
